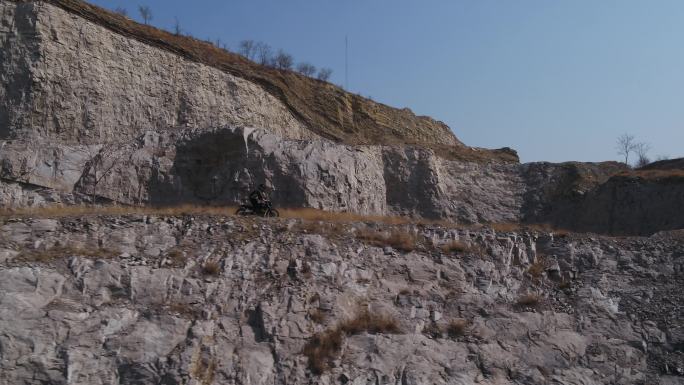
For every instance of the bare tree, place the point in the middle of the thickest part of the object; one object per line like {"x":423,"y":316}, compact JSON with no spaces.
{"x":176,"y":27}
{"x":306,"y":69}
{"x":264,"y":54}
{"x":283,"y":60}
{"x":145,"y":13}
{"x":248,"y":49}
{"x":641,"y":150}
{"x":324,"y":74}
{"x":121,"y":11}
{"x":625,"y":145}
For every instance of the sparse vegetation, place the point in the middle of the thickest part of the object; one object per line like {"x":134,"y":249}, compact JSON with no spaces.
{"x":537,"y":269}
{"x":324,"y":74}
{"x":121,"y":11}
{"x":456,"y":328}
{"x":211,"y":268}
{"x":399,"y":240}
{"x":432,"y":330}
{"x":317,"y":315}
{"x":454,"y":247}
{"x":176,"y":256}
{"x":183,"y":309}
{"x":306,"y":69}
{"x":529,"y":300}
{"x":323,"y":347}
{"x":282,"y":60}
{"x":654,"y":175}
{"x":145,"y":13}
{"x":462,"y":247}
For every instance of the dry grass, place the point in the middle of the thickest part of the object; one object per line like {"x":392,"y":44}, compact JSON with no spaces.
{"x":462,"y":247}
{"x":211,"y":268}
{"x":454,"y":247}
{"x":457,"y":328}
{"x":309,"y":214}
{"x":323,"y":347}
{"x":57,"y":211}
{"x":317,"y":315}
{"x":177,"y":257}
{"x":184,"y":309}
{"x":58,"y":252}
{"x":537,"y":269}
{"x":399,"y":240}
{"x":654,"y":175}
{"x":529,"y":300}
{"x":432,"y":330}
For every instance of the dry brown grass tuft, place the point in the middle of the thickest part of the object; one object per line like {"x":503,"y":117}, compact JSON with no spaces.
{"x":400,"y":240}
{"x":183,"y":309}
{"x":317,"y":315}
{"x":454,"y":247}
{"x":462,"y":247}
{"x":456,"y":328}
{"x":176,"y":256}
{"x":432,"y":330}
{"x":537,"y":269}
{"x":323,"y":347}
{"x":372,"y":323}
{"x":529,"y":300}
{"x":58,"y":252}
{"x":212,"y":268}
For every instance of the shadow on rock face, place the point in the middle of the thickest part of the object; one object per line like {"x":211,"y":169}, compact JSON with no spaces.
{"x":222,"y":167}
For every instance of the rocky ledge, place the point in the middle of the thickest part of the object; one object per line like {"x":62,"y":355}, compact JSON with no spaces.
{"x":140,"y":299}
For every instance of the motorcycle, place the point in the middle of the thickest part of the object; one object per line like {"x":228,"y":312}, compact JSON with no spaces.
{"x":266,"y":210}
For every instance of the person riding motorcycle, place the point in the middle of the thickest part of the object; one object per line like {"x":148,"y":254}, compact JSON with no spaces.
{"x":259,"y":197}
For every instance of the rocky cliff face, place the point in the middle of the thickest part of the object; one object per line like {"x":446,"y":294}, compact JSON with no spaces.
{"x":162,"y":299}
{"x":222,"y":165}
{"x":75,"y":81}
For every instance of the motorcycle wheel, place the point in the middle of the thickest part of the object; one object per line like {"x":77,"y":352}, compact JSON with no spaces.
{"x":241,"y":211}
{"x":272,"y":213}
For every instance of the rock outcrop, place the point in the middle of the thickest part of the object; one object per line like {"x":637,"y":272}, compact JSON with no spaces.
{"x":220,"y":166}
{"x":75,"y":81}
{"x":147,"y":299}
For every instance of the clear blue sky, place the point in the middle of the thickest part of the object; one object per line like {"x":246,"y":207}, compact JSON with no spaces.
{"x":554,"y":79}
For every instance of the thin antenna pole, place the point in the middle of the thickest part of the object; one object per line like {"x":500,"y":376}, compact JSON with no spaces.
{"x":346,"y":62}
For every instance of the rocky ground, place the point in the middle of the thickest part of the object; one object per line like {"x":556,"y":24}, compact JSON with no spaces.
{"x":141,"y":299}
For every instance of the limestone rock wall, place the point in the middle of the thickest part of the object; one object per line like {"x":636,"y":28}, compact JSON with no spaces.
{"x":127,"y":300}
{"x":69,"y":79}
{"x":223,"y":165}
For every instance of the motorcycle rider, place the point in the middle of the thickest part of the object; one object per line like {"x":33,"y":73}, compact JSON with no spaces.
{"x":258,"y":198}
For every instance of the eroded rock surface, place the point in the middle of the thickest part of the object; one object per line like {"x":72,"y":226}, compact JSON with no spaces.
{"x":67,"y":79}
{"x":129,"y":300}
